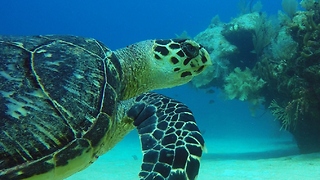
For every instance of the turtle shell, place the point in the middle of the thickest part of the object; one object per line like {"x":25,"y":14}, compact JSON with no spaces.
{"x":52,"y":101}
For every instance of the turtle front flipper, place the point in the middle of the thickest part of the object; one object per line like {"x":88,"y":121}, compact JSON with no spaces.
{"x":171,"y":141}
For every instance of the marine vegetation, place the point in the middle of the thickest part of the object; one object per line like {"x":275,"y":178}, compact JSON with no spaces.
{"x":212,"y":74}
{"x":277,"y":67}
{"x":243,"y":86}
{"x":290,"y":113}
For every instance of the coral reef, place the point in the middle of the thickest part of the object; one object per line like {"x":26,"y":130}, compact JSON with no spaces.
{"x":221,"y":67}
{"x":215,"y":43}
{"x":290,"y":7}
{"x":204,"y":79}
{"x":213,"y":75}
{"x":238,"y":32}
{"x":277,"y":62}
{"x":218,"y":48}
{"x":251,"y":34}
{"x":293,"y":79}
{"x":243,"y":86}
{"x":310,"y":4}
{"x":283,"y":48}
{"x":291,"y":113}
{"x":183,"y":35}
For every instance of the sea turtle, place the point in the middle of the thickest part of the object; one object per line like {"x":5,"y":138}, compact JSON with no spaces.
{"x":66,"y":100}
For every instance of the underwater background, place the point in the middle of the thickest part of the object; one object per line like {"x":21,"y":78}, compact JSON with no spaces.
{"x":230,"y":127}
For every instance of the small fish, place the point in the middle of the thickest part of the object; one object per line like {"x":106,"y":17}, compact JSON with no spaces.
{"x":211,"y":101}
{"x":203,"y":131}
{"x":134,"y":157}
{"x":210,"y":91}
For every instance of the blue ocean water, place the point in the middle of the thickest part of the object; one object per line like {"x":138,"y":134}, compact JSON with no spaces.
{"x":116,"y":23}
{"x":123,"y":22}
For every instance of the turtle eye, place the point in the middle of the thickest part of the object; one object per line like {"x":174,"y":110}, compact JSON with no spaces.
{"x":190,"y":50}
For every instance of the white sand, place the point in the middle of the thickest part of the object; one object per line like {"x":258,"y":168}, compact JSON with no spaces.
{"x":255,"y":159}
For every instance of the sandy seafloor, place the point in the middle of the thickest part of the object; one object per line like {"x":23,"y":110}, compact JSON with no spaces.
{"x":226,"y":159}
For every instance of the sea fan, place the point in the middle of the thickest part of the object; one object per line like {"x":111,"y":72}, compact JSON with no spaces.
{"x":221,"y":67}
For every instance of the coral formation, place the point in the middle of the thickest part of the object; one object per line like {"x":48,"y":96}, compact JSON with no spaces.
{"x":212,"y":74}
{"x":290,"y":7}
{"x":215,"y":43}
{"x":291,"y":113}
{"x":204,"y":79}
{"x":279,"y":65}
{"x":243,"y":86}
{"x":283,"y":48}
{"x":310,"y":4}
{"x":183,"y":35}
{"x":218,"y":48}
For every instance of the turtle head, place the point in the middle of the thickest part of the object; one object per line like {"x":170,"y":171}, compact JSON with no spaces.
{"x":157,"y":64}
{"x":178,"y":60}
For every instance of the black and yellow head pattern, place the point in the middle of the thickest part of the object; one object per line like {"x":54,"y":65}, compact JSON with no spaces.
{"x":186,"y":57}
